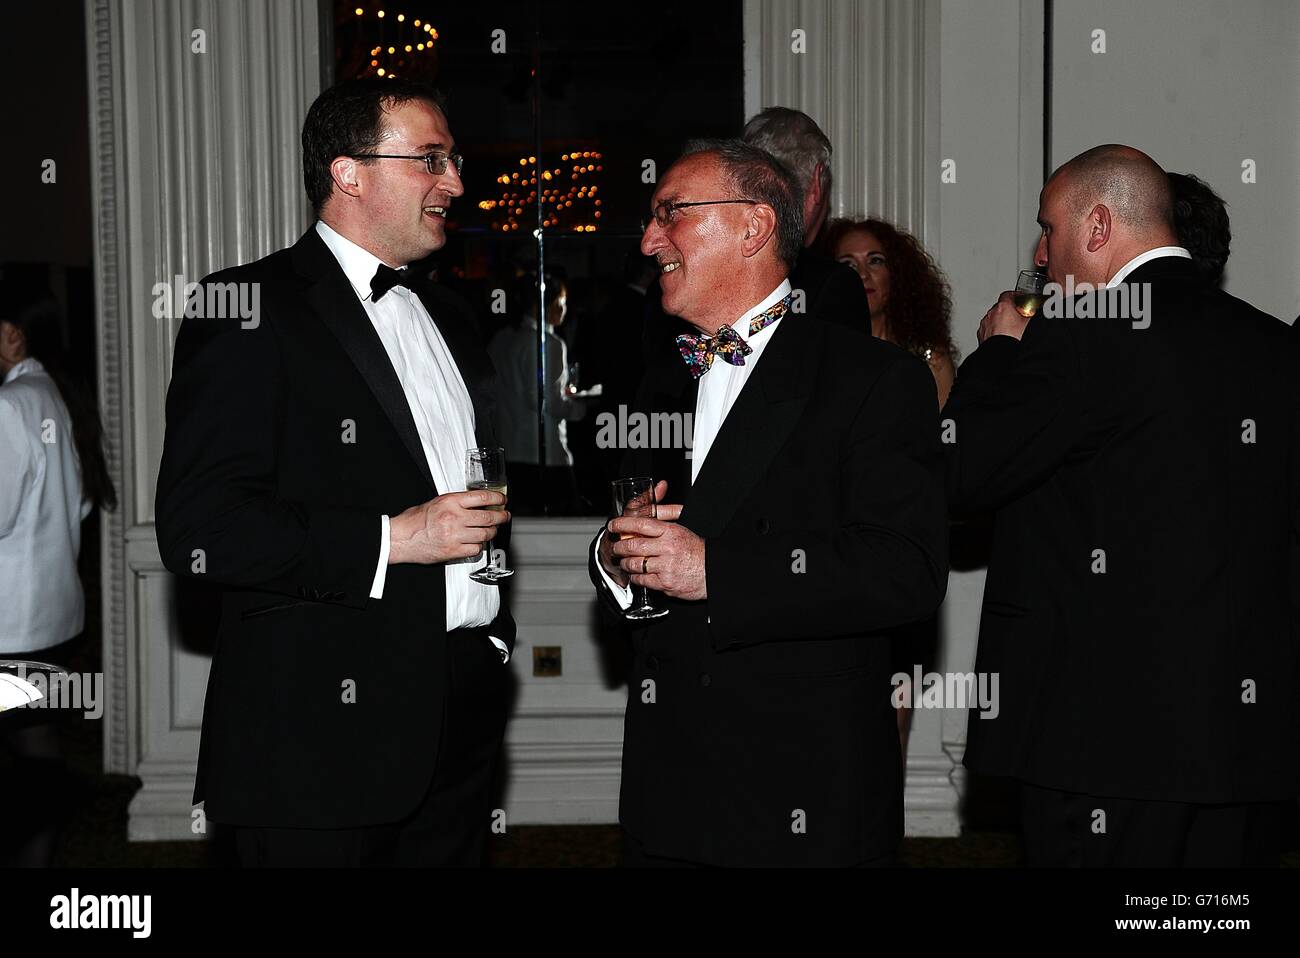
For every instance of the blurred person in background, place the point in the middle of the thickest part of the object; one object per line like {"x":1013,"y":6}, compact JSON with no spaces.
{"x":536,"y":487}
{"x":52,"y":473}
{"x":1201,"y":222}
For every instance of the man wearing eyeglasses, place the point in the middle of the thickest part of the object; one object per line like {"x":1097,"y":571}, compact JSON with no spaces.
{"x":804,"y":521}
{"x":314,"y":471}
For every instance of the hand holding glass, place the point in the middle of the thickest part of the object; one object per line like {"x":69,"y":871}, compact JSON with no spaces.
{"x":635,"y":498}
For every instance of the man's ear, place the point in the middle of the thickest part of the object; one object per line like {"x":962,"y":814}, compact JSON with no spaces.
{"x":817,"y":188}
{"x":1098,"y":226}
{"x":759,"y":228}
{"x":344,"y":172}
{"x":12,"y":340}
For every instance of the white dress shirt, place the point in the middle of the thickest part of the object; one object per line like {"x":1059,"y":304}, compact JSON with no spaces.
{"x":41,"y":508}
{"x":442,"y":410}
{"x":1141,"y":258}
{"x":719,"y":389}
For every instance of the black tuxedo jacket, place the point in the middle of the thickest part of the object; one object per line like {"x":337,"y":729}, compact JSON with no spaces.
{"x":256,"y":474}
{"x":1173,"y":454}
{"x":759,"y":728}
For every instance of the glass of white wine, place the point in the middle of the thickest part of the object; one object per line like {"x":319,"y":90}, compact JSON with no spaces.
{"x":1028,"y":297}
{"x":635,"y":498}
{"x":485,"y":468}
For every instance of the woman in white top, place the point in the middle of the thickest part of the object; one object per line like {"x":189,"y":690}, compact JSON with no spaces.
{"x":52,"y":472}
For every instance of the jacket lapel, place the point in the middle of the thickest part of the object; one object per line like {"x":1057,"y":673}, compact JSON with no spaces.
{"x":335,"y":302}
{"x":759,"y":423}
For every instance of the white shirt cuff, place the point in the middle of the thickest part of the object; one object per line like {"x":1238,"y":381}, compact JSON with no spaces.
{"x":381,"y":573}
{"x":501,"y":647}
{"x":622,"y":593}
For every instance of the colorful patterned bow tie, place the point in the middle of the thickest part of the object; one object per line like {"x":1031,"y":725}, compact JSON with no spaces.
{"x":699,"y":350}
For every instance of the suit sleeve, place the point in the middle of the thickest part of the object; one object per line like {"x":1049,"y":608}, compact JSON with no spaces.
{"x":219,"y":516}
{"x":1011,"y":417}
{"x":634,"y":462}
{"x":883,"y":562}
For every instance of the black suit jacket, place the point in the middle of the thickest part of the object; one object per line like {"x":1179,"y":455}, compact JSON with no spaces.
{"x":1087,"y":435}
{"x":256,"y":474}
{"x":821,"y":506}
{"x":832,"y":290}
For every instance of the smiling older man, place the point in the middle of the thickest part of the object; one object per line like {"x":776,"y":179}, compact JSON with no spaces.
{"x":807,"y":521}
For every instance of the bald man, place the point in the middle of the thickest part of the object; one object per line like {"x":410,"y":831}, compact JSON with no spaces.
{"x":1142,"y":465}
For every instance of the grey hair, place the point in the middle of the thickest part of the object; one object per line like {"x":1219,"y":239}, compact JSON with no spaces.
{"x":795,"y":139}
{"x":755,"y":174}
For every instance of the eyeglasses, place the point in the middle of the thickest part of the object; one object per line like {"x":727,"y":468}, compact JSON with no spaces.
{"x":665,"y":211}
{"x":435,"y":161}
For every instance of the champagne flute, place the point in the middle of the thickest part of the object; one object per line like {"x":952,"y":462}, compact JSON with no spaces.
{"x":1028,"y":297}
{"x":635,"y":498}
{"x":486,"y":469}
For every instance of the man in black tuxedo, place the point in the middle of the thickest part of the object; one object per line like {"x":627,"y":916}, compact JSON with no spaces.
{"x":808,"y":521}
{"x":1141,"y":594}
{"x":314,"y":469}
{"x":793,"y":137}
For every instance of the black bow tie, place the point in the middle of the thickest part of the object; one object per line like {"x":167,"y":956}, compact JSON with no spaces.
{"x":385,"y":279}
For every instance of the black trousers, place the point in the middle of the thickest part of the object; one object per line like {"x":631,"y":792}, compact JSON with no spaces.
{"x":450,"y":825}
{"x":1075,"y":830}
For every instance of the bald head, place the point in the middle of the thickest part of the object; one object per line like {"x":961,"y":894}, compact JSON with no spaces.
{"x":1102,"y":208}
{"x":1126,"y":181}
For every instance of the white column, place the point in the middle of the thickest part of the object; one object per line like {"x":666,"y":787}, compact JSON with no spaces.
{"x":196,"y":107}
{"x":868,"y":75}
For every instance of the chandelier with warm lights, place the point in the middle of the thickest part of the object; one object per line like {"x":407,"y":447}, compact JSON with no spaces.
{"x":396,"y":37}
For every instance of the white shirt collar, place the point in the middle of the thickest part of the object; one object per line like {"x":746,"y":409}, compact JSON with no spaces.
{"x":22,"y":368}
{"x":1141,"y":258}
{"x":359,"y":264}
{"x":742,"y":325}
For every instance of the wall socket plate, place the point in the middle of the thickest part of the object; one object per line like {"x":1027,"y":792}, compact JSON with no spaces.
{"x":548,"y":661}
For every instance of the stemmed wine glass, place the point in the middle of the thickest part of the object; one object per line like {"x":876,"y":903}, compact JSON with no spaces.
{"x":485,"y":468}
{"x":635,"y":498}
{"x":1028,"y":297}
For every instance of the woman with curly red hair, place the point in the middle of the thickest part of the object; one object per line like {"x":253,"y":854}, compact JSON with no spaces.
{"x":908,"y":295}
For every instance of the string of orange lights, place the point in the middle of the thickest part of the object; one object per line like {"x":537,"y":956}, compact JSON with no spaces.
{"x":579,"y":201}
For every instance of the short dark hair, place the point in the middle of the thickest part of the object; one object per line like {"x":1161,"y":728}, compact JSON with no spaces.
{"x":1201,"y":222}
{"x":349,"y":118}
{"x":755,"y":174}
